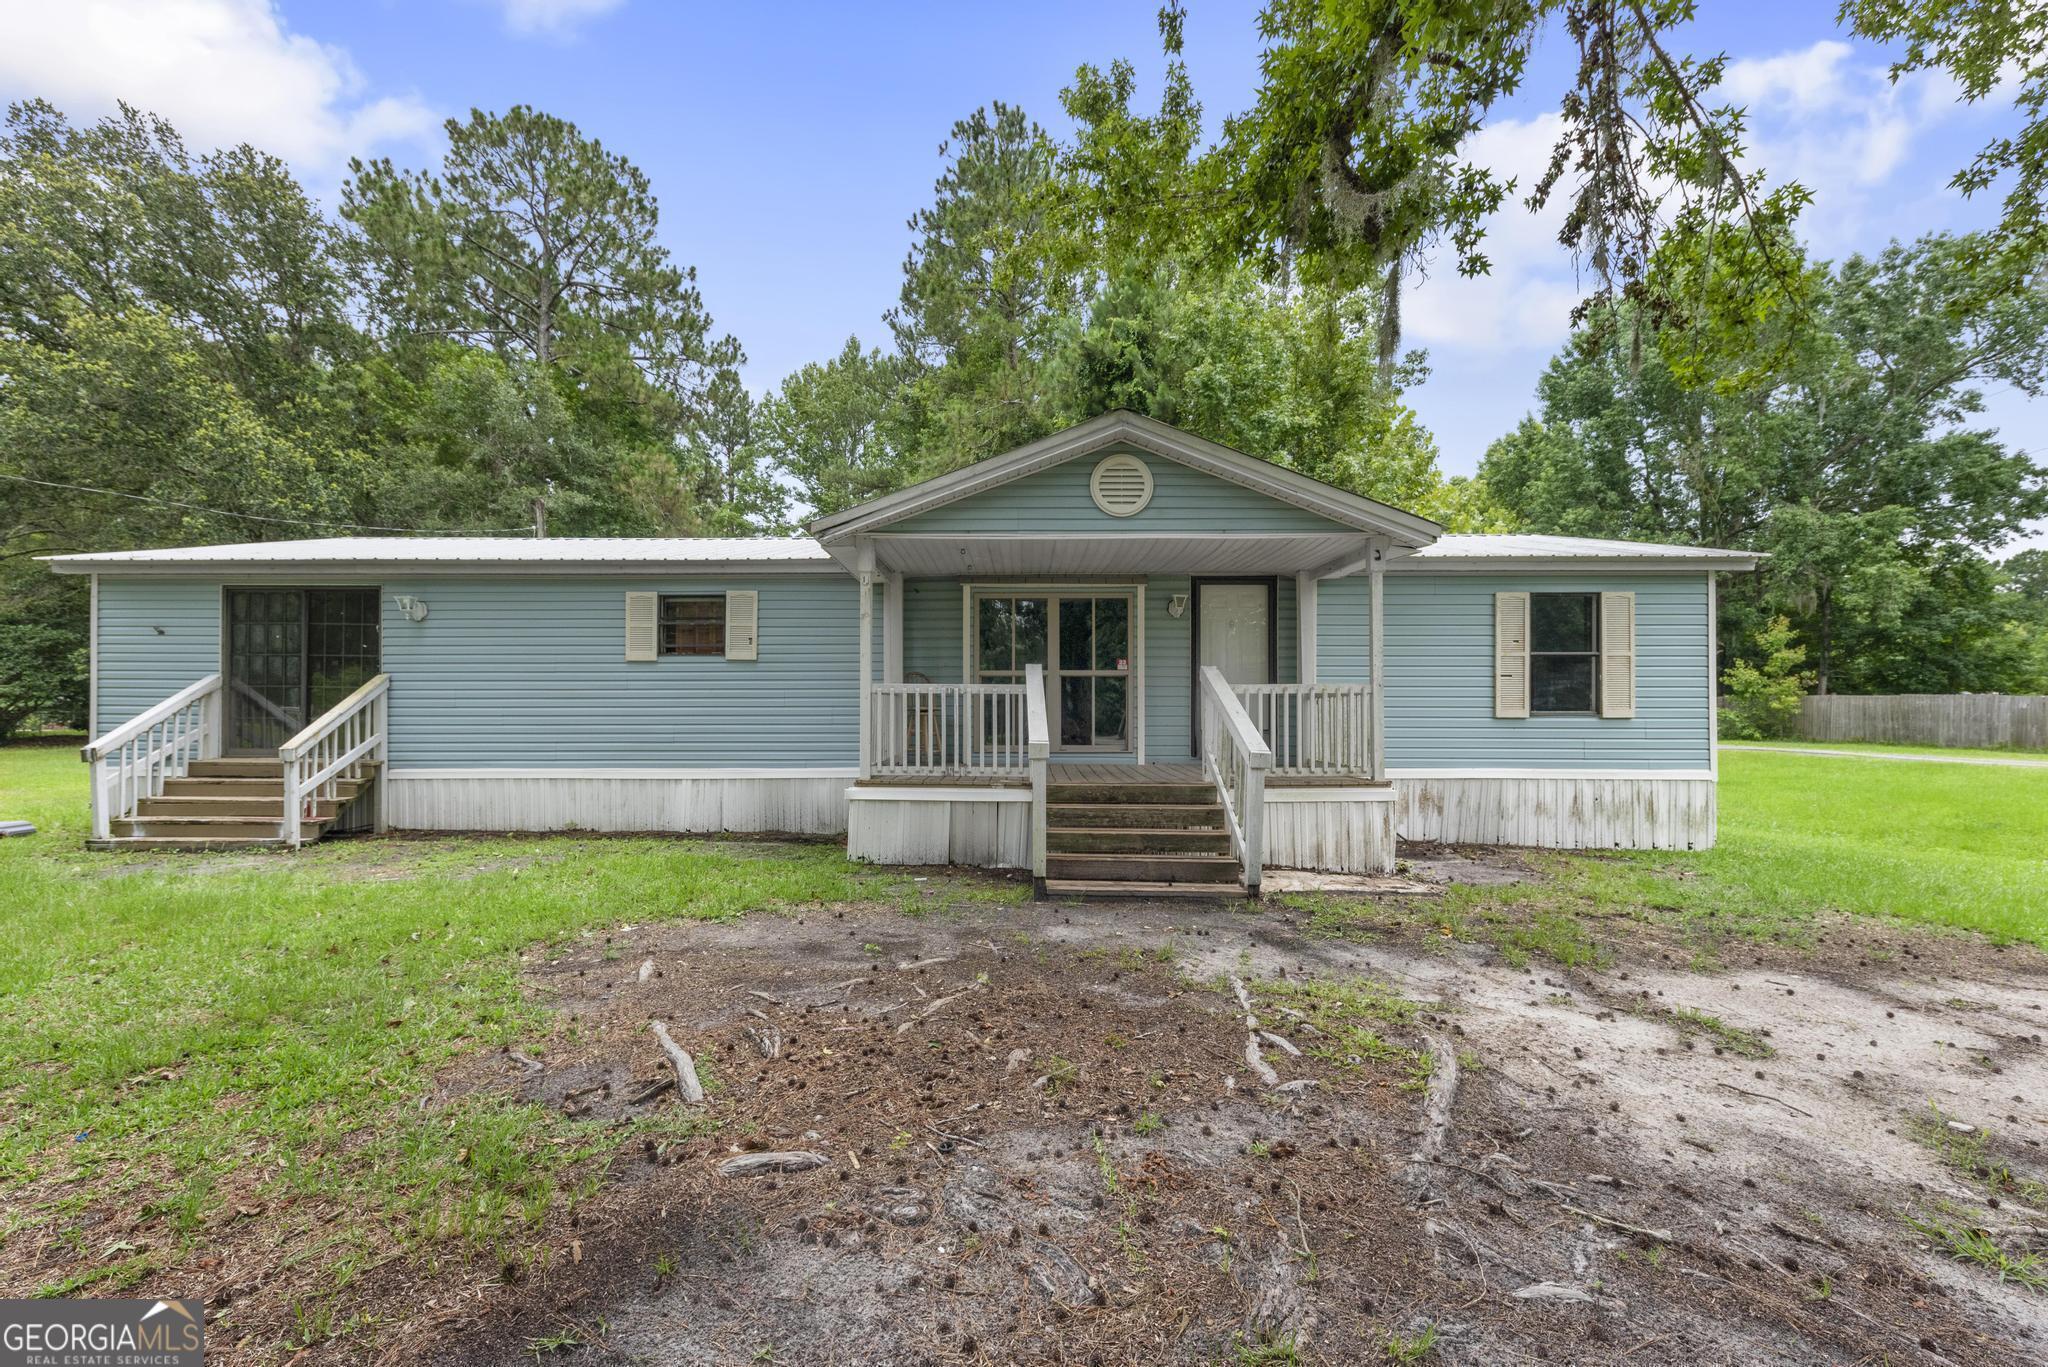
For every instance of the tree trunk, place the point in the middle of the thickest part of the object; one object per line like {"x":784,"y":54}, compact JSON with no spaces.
{"x":1820,"y":681}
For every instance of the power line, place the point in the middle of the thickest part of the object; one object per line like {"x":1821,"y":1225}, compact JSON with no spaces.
{"x":259,"y":517}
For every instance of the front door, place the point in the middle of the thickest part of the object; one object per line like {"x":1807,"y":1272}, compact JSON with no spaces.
{"x":1084,"y":642}
{"x":1234,"y":622}
{"x":293,"y":654}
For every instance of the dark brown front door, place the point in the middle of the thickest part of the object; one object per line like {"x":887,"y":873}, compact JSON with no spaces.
{"x":292,"y":654}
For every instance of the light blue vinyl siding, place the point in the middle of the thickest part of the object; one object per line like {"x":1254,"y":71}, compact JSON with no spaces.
{"x":1439,"y":698}
{"x":156,"y":636}
{"x":1344,"y":630}
{"x":1057,"y":500}
{"x":532,"y":673}
{"x":1168,"y":698}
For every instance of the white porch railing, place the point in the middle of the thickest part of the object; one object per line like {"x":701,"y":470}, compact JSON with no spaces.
{"x":1313,"y":729}
{"x":1235,"y":757}
{"x":334,"y":749}
{"x":966,"y":731}
{"x":131,"y":762}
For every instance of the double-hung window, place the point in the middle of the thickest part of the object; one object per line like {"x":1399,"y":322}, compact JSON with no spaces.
{"x":1564,"y":653}
{"x":692,"y":625}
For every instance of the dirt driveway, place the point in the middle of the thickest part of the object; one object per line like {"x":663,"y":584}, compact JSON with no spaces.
{"x":1040,"y":1135}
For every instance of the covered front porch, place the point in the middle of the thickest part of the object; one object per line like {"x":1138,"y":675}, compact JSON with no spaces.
{"x":1160,"y":725}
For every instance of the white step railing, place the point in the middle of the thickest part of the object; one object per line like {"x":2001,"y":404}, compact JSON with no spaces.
{"x":1038,"y":750}
{"x":966,"y":731}
{"x":335,"y":749}
{"x":131,"y":762}
{"x":1235,"y":757}
{"x":1313,"y":729}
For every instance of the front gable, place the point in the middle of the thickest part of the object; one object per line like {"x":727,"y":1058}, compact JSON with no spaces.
{"x":1060,"y":499}
{"x":1056,"y":487}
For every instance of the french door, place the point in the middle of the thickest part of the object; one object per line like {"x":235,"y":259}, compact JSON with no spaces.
{"x":1083,"y":640}
{"x":291,"y":655}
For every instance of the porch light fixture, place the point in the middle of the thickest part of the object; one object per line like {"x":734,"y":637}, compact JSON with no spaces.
{"x":415,"y":609}
{"x":1177,"y":605}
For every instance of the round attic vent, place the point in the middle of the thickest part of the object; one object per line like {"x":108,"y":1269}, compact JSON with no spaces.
{"x":1121,"y":485}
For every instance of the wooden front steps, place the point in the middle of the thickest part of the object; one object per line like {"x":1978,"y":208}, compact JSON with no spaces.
{"x":223,"y":804}
{"x":1137,"y":839}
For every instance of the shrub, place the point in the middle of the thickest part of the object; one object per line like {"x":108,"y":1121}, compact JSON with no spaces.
{"x":1763,"y":698}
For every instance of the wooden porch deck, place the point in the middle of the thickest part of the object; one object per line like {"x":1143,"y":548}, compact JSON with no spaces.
{"x":1099,"y":772}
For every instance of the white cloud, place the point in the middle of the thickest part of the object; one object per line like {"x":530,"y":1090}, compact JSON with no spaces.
{"x":222,"y":71}
{"x":1526,"y":300}
{"x":552,"y":18}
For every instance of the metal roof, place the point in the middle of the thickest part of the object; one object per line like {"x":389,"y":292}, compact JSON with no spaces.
{"x":1520,"y":547}
{"x":626,"y":554}
{"x":607,"y":552}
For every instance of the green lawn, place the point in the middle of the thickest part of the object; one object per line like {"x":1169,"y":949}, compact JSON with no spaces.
{"x":1952,"y":845}
{"x":1863,"y":747}
{"x":239,"y":1027}
{"x":193,"y":1032}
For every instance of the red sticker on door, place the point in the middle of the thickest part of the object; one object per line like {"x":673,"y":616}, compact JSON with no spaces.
{"x":1123,"y":664}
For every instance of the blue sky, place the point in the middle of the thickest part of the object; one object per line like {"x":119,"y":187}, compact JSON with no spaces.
{"x":788,"y":143}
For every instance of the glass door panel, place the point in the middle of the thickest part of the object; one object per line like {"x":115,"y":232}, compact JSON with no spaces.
{"x":341,"y":644}
{"x":266,"y":669}
{"x":292,"y":655}
{"x":1084,"y":645}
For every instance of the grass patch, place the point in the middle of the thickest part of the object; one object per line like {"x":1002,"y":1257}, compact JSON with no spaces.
{"x":1947,"y":846}
{"x":1967,"y":1243}
{"x":189,"y":1033}
{"x":1733,"y":1038}
{"x":1347,"y":1014}
{"x":1969,"y":1157}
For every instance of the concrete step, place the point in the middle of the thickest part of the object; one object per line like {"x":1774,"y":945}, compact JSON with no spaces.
{"x":1112,"y":840}
{"x":1091,"y":890}
{"x":1157,"y":816}
{"x":1144,"y":868}
{"x":1108,"y":794}
{"x":257,"y":767}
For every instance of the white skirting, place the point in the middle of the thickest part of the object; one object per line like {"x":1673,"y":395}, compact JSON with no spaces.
{"x":1560,"y":810}
{"x":984,"y":827}
{"x":1330,"y":830}
{"x":794,"y":802}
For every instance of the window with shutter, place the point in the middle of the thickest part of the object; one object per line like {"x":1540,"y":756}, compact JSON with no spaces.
{"x":1617,"y":654}
{"x":640,"y":626}
{"x":1511,"y":655}
{"x":742,"y":624}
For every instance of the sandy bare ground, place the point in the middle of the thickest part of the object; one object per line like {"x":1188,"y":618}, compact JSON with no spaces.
{"x":1042,"y":1140}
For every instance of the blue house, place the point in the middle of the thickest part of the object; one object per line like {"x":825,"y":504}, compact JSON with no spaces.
{"x":1123,"y":657}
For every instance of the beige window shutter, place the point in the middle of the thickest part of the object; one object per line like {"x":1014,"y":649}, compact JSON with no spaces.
{"x":1617,"y":654}
{"x":742,"y":624}
{"x":640,"y":626}
{"x":1511,"y":655}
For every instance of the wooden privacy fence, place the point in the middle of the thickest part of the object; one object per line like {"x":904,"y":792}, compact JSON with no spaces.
{"x":1966,"y":720}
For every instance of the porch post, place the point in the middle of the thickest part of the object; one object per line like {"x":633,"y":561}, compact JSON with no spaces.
{"x":1377,"y":694}
{"x":1305,"y":626}
{"x":892,"y":628}
{"x":866,"y":578}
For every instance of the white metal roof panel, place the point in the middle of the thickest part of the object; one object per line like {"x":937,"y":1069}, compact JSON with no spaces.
{"x":458,"y":551}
